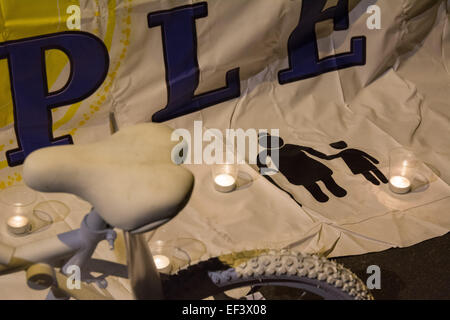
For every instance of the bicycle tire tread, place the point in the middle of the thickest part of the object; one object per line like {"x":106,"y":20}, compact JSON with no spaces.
{"x":216,"y":274}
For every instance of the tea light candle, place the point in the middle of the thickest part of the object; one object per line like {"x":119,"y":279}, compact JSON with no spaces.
{"x":224,"y":183}
{"x":18,"y":224}
{"x":162,"y":263}
{"x":400,"y":185}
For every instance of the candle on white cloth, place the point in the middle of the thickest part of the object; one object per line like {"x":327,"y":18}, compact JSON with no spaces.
{"x":162,"y":263}
{"x":18,"y":224}
{"x":400,"y":185}
{"x":224,"y":182}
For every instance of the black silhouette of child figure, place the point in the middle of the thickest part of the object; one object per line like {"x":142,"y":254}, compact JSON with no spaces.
{"x":359,"y":162}
{"x":299,"y":168}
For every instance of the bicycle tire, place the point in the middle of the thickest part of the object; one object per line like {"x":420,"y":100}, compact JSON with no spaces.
{"x":310,"y":273}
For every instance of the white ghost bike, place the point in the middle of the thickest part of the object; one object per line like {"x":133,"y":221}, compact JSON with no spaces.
{"x":133,"y":186}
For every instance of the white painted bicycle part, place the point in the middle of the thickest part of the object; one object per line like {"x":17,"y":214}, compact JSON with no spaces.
{"x":93,"y":230}
{"x":78,"y":245}
{"x":144,"y":278}
{"x":40,"y":276}
{"x":129,"y":177}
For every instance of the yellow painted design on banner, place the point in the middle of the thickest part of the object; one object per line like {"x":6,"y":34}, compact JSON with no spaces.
{"x":107,"y":85}
{"x":16,"y":177}
{"x":108,"y":42}
{"x":61,"y":60}
{"x":4,"y":164}
{"x":28,"y":18}
{"x":111,"y":23}
{"x":22,"y":19}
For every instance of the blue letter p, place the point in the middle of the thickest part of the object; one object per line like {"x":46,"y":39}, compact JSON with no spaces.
{"x":89,"y":62}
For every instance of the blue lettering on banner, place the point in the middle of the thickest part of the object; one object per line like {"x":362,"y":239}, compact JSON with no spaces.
{"x":89,"y":63}
{"x":32,"y":101}
{"x":303,"y":53}
{"x":182,"y":71}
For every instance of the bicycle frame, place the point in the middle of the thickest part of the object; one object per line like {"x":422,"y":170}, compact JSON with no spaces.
{"x":76,"y":245}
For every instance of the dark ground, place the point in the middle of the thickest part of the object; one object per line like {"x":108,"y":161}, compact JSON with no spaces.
{"x":418,"y":272}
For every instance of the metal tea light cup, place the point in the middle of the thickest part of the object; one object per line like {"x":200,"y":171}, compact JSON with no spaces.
{"x":224,"y":177}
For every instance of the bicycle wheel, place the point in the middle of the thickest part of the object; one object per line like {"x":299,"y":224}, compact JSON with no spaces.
{"x":312,"y":276}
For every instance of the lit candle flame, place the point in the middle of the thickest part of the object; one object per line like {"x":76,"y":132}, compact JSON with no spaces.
{"x":161,"y":261}
{"x":18,"y":221}
{"x":18,"y":224}
{"x":400,"y":184}
{"x":224,"y":180}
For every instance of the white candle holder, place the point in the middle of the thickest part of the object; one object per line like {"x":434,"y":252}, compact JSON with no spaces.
{"x":403,"y":168}
{"x":17,"y":199}
{"x":224,"y":177}
{"x":187,"y":250}
{"x":18,"y":196}
{"x":162,"y":252}
{"x":178,"y":252}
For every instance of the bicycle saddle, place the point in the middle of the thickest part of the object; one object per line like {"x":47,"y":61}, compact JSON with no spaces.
{"x":129,"y":178}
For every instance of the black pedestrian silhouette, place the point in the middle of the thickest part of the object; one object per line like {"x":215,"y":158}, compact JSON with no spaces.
{"x":359,"y":162}
{"x":299,"y":168}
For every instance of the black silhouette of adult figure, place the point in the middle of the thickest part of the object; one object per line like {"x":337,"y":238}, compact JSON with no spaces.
{"x":300,"y":169}
{"x":359,"y":162}
{"x":269,"y":166}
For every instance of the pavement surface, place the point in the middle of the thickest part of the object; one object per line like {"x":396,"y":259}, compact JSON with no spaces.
{"x":418,"y":272}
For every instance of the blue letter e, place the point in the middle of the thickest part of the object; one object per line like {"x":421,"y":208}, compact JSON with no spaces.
{"x":303,"y":54}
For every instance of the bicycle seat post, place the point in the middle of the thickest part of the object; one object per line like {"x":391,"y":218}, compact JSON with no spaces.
{"x":93,"y":229}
